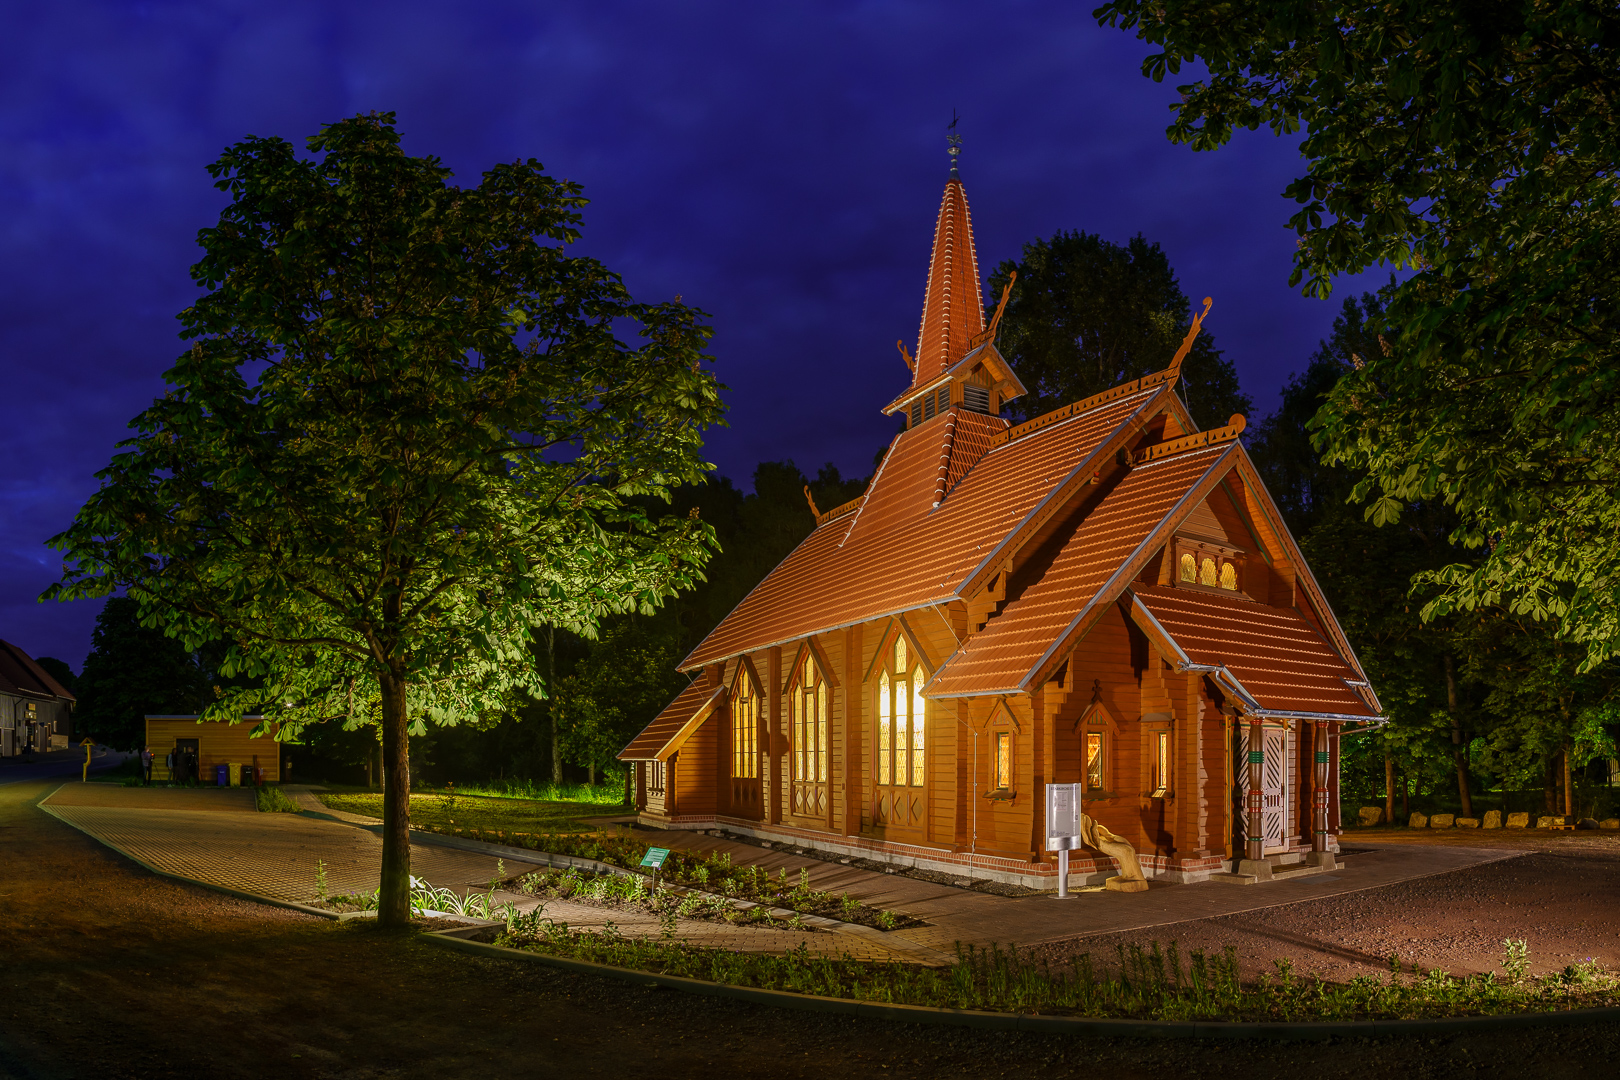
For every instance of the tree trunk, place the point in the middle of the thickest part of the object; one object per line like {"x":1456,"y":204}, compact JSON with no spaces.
{"x":551,"y":705}
{"x":1549,"y":790}
{"x":394,"y":899}
{"x":590,"y":774}
{"x":1389,"y":788}
{"x":1406,"y":795}
{"x":1569,"y":788}
{"x":1459,"y":751}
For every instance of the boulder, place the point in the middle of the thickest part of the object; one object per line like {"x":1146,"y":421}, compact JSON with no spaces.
{"x":1468,"y":823}
{"x":1371,"y":815}
{"x":1547,"y":821}
{"x":1518,"y":821}
{"x":1418,"y":821}
{"x":1442,"y":821}
{"x":1609,"y":823}
{"x":1493,"y":820}
{"x":1586,"y":823}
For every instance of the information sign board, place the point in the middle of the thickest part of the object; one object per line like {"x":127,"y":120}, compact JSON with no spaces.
{"x":1062,"y":817}
{"x":655,"y":857}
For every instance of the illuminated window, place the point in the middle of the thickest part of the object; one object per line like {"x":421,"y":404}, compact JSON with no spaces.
{"x":1189,"y":568}
{"x":1197,"y":565}
{"x":1161,"y":764}
{"x":901,"y":715}
{"x":1206,"y":571}
{"x":1001,"y":761}
{"x":1094,"y":761}
{"x":1229,"y":575}
{"x":809,"y":723}
{"x":744,"y":727}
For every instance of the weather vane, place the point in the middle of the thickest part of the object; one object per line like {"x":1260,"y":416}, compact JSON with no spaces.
{"x":954,"y":141}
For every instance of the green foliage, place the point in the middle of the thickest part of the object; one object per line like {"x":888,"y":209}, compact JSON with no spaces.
{"x":466,"y":810}
{"x":133,"y":670}
{"x":272,"y":800}
{"x":1087,"y":314}
{"x":1145,"y":982}
{"x":627,"y":676}
{"x":405,"y":434}
{"x":1476,"y":150}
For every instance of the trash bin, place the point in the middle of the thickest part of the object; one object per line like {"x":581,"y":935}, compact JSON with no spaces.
{"x":244,"y":775}
{"x":222,"y":775}
{"x":234,"y":771}
{"x":260,"y":781}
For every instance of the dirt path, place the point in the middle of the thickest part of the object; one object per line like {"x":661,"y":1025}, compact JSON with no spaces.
{"x":107,"y":971}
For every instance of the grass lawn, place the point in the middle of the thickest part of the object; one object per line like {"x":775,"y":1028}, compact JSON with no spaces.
{"x":491,"y":813}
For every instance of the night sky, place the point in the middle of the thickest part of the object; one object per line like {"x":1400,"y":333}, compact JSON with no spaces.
{"x":778,"y":165}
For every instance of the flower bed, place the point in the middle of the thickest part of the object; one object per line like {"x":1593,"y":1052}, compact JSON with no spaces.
{"x":713,"y":873}
{"x":1146,"y":983}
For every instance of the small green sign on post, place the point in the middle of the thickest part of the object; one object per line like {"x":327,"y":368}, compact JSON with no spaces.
{"x":655,"y":858}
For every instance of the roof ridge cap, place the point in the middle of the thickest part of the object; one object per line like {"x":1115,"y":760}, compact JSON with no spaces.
{"x":1199,"y":440}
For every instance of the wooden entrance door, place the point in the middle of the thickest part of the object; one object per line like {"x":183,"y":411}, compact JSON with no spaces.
{"x":1277,"y":742}
{"x":899,"y":790}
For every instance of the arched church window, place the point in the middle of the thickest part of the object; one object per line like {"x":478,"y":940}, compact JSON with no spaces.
{"x":1189,"y":568}
{"x":1206,"y":571}
{"x":809,"y":722}
{"x":901,"y":712}
{"x":744,"y":726}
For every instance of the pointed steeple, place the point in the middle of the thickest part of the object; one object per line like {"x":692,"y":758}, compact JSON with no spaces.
{"x":953,"y":311}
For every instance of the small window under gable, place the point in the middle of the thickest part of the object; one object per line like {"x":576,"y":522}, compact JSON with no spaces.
{"x":1208,"y":564}
{"x":975,"y":398}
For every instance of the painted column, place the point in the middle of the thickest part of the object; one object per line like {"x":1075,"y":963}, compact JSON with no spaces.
{"x":1319,"y":823}
{"x":1256,"y":841}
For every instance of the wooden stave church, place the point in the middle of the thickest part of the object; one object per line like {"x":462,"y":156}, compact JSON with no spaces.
{"x":1031,"y":579}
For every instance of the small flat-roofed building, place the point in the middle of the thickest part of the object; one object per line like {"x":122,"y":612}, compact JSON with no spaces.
{"x":213,"y":744}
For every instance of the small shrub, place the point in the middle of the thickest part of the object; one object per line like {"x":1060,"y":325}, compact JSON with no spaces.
{"x":272,"y":800}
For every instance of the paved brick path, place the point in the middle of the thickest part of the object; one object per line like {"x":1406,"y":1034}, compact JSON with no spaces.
{"x":216,"y":837}
{"x":219,"y":838}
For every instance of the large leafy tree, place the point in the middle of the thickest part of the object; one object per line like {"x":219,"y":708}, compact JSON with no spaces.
{"x":133,"y":670}
{"x":1474,"y":147}
{"x":1087,"y":314}
{"x":405,"y":433}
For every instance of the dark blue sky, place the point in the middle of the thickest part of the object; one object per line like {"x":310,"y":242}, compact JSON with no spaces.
{"x":778,"y":165}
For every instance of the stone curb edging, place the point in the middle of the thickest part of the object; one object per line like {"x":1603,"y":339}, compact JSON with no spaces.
{"x":1051,"y":1025}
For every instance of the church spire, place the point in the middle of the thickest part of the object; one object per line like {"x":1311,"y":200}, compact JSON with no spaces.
{"x":952,"y":309}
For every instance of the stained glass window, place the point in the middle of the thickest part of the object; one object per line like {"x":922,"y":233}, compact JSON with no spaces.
{"x":1001,"y":765}
{"x":1206,"y":571}
{"x":809,"y":723}
{"x":885,"y":730}
{"x":744,"y":728}
{"x":1189,"y":568}
{"x":918,"y":715}
{"x":1229,"y":576}
{"x":1094,"y":760}
{"x":900,"y":710}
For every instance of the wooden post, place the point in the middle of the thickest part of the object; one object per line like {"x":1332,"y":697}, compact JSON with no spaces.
{"x":849,"y":746}
{"x":1320,"y":855}
{"x":775,"y":737}
{"x":1254,"y":861}
{"x":1569,"y":790}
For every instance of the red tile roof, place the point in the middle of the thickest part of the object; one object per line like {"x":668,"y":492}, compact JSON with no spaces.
{"x":1277,"y":658}
{"x":20,"y":674}
{"x":898,"y":551}
{"x":1089,"y":571}
{"x":953,"y":309}
{"x":672,"y":727}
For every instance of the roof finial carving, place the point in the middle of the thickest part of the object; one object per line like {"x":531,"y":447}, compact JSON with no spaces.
{"x":953,"y":142}
{"x":1187,"y":342}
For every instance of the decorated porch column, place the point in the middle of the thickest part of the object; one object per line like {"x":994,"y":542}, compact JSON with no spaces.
{"x":1320,"y":855}
{"x":1254,"y":862}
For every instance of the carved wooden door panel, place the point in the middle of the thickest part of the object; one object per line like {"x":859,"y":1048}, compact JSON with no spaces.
{"x":1274,"y":784}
